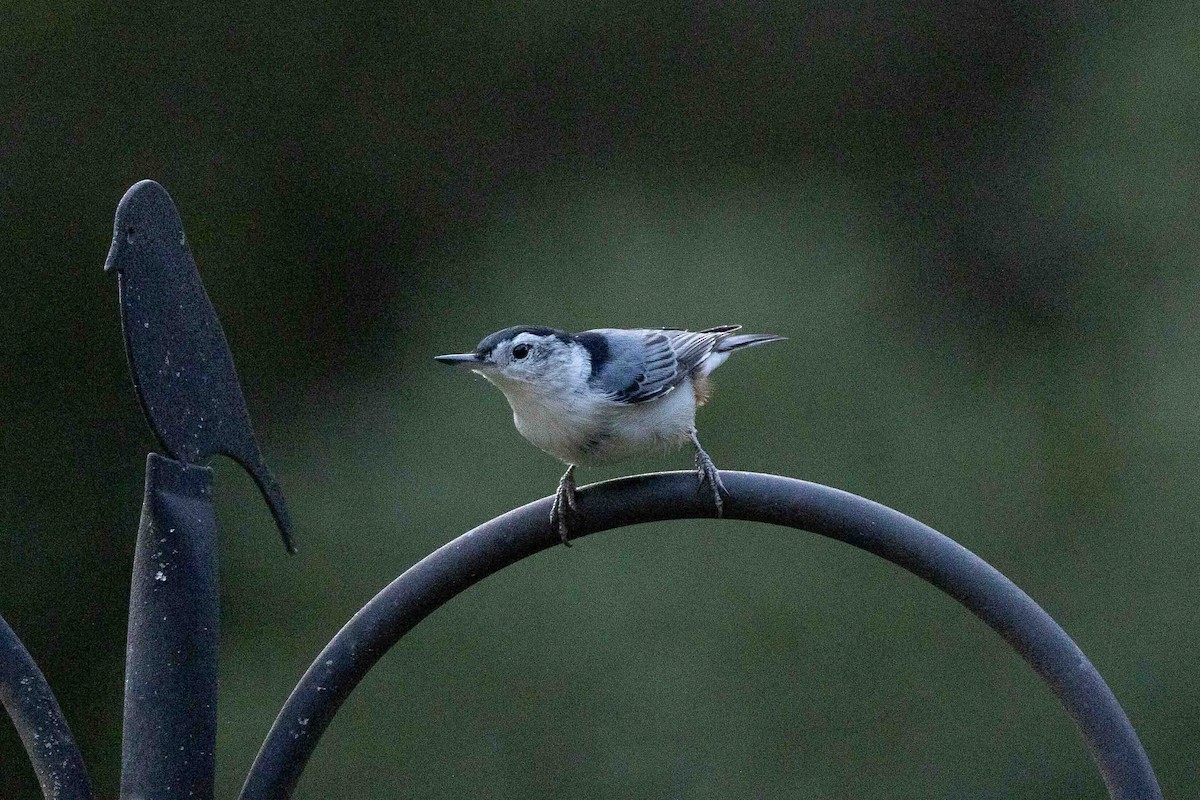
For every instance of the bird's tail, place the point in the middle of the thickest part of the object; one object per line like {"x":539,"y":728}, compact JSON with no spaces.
{"x":731,"y":343}
{"x":726,"y":344}
{"x":252,"y":461}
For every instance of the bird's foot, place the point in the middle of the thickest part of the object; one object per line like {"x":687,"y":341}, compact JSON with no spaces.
{"x":708,"y":475}
{"x":564,"y":507}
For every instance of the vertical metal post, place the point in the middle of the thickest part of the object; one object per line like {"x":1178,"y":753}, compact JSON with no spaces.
{"x":189,"y":391}
{"x":171,"y":658}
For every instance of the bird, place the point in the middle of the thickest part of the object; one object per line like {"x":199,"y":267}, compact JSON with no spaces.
{"x":607,"y":394}
{"x":180,"y":361}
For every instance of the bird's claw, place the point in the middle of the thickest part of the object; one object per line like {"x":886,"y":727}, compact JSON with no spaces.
{"x":707,"y":473}
{"x":564,"y":507}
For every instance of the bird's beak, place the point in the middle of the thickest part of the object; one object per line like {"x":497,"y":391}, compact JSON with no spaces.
{"x":110,"y":261}
{"x":459,"y":358}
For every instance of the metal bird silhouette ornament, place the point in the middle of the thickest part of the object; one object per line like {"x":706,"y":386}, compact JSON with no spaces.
{"x":178,"y":356}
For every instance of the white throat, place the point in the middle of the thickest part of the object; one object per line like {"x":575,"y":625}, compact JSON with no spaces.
{"x":556,"y":412}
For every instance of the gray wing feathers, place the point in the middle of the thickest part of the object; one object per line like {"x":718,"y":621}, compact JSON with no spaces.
{"x":642,"y":365}
{"x":646,"y":364}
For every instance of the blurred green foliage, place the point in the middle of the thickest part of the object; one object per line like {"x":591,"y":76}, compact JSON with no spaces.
{"x":977,"y":223}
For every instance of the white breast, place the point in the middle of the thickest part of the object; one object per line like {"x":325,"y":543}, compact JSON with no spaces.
{"x":562,"y":425}
{"x":584,"y":429}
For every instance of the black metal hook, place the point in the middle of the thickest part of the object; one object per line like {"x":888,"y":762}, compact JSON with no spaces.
{"x":178,"y":355}
{"x":520,"y":533}
{"x":39,"y":721}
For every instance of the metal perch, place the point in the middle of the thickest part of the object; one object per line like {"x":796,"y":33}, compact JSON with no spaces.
{"x":839,"y":515}
{"x":40,"y":722}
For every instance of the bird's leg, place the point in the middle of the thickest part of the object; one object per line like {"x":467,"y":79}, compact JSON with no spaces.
{"x":706,"y":471}
{"x":564,"y":506}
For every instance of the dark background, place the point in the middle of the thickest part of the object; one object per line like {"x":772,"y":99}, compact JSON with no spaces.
{"x":975,"y":222}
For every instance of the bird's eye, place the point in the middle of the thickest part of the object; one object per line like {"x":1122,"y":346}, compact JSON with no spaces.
{"x":521,"y":350}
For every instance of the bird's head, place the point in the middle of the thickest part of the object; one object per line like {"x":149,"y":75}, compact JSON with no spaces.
{"x":526,"y":359}
{"x":146,"y":219}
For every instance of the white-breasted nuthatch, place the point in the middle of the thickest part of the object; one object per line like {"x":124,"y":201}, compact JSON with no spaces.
{"x":607,"y":394}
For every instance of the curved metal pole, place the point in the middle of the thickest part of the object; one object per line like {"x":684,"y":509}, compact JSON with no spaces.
{"x":759,"y":498}
{"x":40,"y":722}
